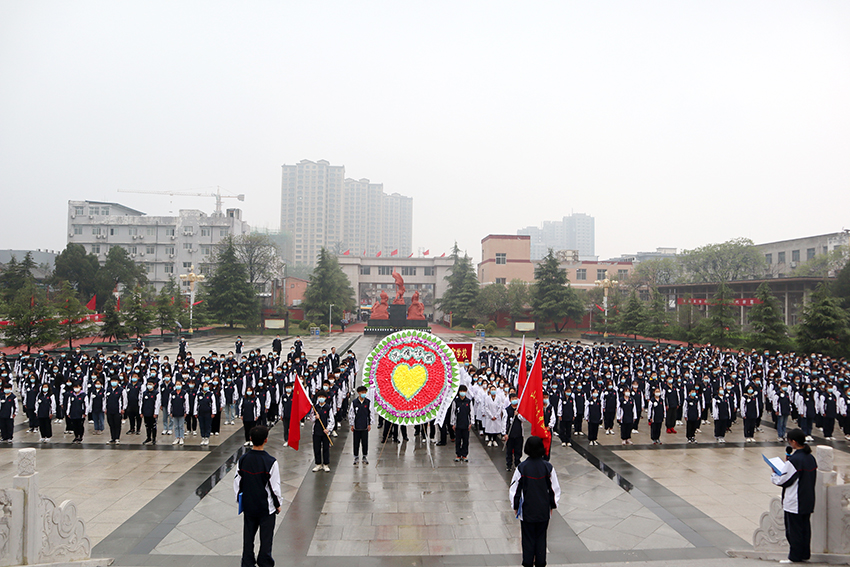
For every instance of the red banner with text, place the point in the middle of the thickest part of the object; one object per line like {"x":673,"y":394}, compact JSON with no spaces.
{"x":739,"y":301}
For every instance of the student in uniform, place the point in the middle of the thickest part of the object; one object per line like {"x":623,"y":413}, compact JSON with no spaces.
{"x":492,"y":416}
{"x":77,"y":409}
{"x":548,"y":422}
{"x":205,"y":409}
{"x":134,"y":394}
{"x":360,"y":419}
{"x":115,"y":402}
{"x":97,"y":407}
{"x":750,"y":413}
{"x":250,"y":413}
{"x":323,"y":424}
{"x":798,"y":496}
{"x":150,"y":405}
{"x":512,"y":433}
{"x":462,"y":412}
{"x":827,"y":408}
{"x":8,"y":413}
{"x":178,"y":405}
{"x":593,"y":415}
{"x":692,"y":414}
{"x":285,"y":412}
{"x":721,"y":413}
{"x":627,"y":415}
{"x":45,"y":409}
{"x":655,"y":415}
{"x":566,"y":416}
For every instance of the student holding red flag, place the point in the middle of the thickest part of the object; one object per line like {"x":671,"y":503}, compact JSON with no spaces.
{"x":301,"y":407}
{"x":531,"y":403}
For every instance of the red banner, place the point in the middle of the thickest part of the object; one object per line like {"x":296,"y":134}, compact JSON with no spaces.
{"x":739,"y":301}
{"x":462,"y":351}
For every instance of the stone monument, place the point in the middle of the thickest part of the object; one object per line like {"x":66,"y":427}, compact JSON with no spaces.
{"x":389,"y":317}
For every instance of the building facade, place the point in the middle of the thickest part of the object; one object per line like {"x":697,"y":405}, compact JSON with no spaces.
{"x":574,"y":232}
{"x":320,"y":207}
{"x":505,"y":257}
{"x":166,"y":246}
{"x":783,"y":257}
{"x":368,"y":276}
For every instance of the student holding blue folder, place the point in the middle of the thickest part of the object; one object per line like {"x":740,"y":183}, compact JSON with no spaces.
{"x":257,"y":488}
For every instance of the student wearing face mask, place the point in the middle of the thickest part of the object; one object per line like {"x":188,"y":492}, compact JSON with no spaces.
{"x":8,"y":413}
{"x":150,"y":406}
{"x":462,"y":412}
{"x":721,"y":413}
{"x":179,"y":408}
{"x":627,"y":415}
{"x":672,"y":403}
{"x":77,"y":409}
{"x":205,"y":408}
{"x":566,"y":416}
{"x":285,"y":412}
{"x":593,"y":415}
{"x":97,"y":407}
{"x":493,"y":416}
{"x":133,"y":411}
{"x":512,"y":433}
{"x":360,"y":420}
{"x":323,"y":424}
{"x":115,"y":402}
{"x":609,"y":407}
{"x":250,"y":412}
{"x":165,"y":390}
{"x":655,"y":413}
{"x":230,"y":395}
{"x":45,"y":409}
{"x":827,"y":409}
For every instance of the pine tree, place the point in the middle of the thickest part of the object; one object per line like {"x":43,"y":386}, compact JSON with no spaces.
{"x":720,"y":327}
{"x":137,"y":315}
{"x":657,"y":322}
{"x":552,"y":299}
{"x":231,"y":298}
{"x":824,"y":328}
{"x":328,"y":285}
{"x":841,"y":286}
{"x":169,"y":307}
{"x":769,"y":331}
{"x":112,"y":327}
{"x":633,"y":316}
{"x":461,"y":293}
{"x":32,"y":321}
{"x":72,"y":314}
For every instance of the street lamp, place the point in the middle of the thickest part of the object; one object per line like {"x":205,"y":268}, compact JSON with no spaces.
{"x":606,"y":284}
{"x":191,"y":277}
{"x":330,"y":325}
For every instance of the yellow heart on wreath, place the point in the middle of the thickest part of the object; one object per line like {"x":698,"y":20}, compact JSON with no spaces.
{"x":408,"y":380}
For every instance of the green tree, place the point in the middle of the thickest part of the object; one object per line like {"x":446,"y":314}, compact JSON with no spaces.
{"x":112,"y":327}
{"x":824,"y":265}
{"x":633,"y":315}
{"x":138,"y":316}
{"x":688,"y":321}
{"x":518,"y":300}
{"x":169,"y":307}
{"x":552,"y":299}
{"x":824,"y":328}
{"x":720,"y":327}
{"x":736,"y":259}
{"x":32,"y":321}
{"x":260,"y":255}
{"x":328,"y":285}
{"x":652,"y":273}
{"x":491,"y":300}
{"x":81,"y":270}
{"x":16,"y":275}
{"x":462,"y":290}
{"x":769,"y":331}
{"x":72,"y":314}
{"x":119,"y":269}
{"x":231,"y":298}
{"x":657,"y":321}
{"x":841,"y":286}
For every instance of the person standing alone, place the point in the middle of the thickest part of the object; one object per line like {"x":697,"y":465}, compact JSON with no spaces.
{"x":798,"y":496}
{"x":257,"y":480}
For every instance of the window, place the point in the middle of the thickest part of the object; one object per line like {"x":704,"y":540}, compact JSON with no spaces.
{"x":205,"y":250}
{"x":169,"y":232}
{"x":780,"y":257}
{"x":188,"y":230}
{"x":104,"y":210}
{"x":78,"y":229}
{"x":187,"y":265}
{"x":622,"y":274}
{"x":825,"y":249}
{"x":385,"y":270}
{"x":600,"y":274}
{"x":149,"y":249}
{"x":79,"y":210}
{"x":430,"y":271}
{"x":168,"y":268}
{"x":131,"y":249}
{"x":133,"y":231}
{"x":222,"y":232}
{"x":581,"y":274}
{"x":768,"y":258}
{"x":169,"y":250}
{"x":149,"y":268}
{"x":365,"y":270}
{"x":94,"y":210}
{"x":408,"y":270}
{"x":501,"y":258}
{"x":810,"y":253}
{"x":187,"y":246}
{"x":113,"y":231}
{"x":95,"y":230}
{"x":795,"y":255}
{"x":502,"y":281}
{"x":151,"y":231}
{"x":205,"y":231}
{"x":95,"y":248}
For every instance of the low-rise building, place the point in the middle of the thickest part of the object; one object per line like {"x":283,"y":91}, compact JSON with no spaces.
{"x":784,"y":256}
{"x":505,"y":257}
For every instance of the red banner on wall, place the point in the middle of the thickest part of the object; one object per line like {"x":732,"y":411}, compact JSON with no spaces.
{"x":739,"y":301}
{"x":462,"y":351}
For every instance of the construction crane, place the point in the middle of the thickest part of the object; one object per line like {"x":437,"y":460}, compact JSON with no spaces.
{"x":218,"y":196}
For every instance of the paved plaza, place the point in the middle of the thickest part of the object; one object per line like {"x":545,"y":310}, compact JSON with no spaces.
{"x":412,"y":505}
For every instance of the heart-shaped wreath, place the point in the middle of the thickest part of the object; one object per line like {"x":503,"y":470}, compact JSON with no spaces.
{"x":414,"y":377}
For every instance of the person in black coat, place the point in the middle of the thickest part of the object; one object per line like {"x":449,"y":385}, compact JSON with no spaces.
{"x":534,"y":493}
{"x":360,"y":418}
{"x":798,"y":496}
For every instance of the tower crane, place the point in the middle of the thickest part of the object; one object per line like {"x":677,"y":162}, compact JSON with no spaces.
{"x":218,"y":196}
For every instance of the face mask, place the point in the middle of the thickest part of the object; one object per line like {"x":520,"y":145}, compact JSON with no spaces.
{"x":206,"y":388}
{"x":321,"y":400}
{"x":595,"y":396}
{"x":260,"y":384}
{"x":178,"y":387}
{"x":546,"y":403}
{"x":750,"y":391}
{"x":44,"y":390}
{"x":720,"y":393}
{"x":7,"y":391}
{"x":626,"y":395}
{"x":657,"y":395}
{"x":514,"y":402}
{"x":462,"y":394}
{"x":77,"y":390}
{"x":492,"y":392}
{"x":98,"y":386}
{"x":249,"y":393}
{"x":113,"y":384}
{"x":150,"y":387}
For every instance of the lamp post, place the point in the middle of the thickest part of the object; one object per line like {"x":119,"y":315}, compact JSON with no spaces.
{"x":330,"y":311}
{"x":191,"y":277}
{"x":606,"y":284}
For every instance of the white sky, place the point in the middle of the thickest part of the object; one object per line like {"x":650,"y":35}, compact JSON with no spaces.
{"x":673,"y":123}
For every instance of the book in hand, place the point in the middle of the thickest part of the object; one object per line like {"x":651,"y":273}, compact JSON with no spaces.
{"x":239,"y":501}
{"x":777,"y":464}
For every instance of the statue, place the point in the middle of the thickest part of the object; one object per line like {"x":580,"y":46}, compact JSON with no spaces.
{"x":416,"y":311}
{"x":381,"y":310}
{"x":399,"y":288}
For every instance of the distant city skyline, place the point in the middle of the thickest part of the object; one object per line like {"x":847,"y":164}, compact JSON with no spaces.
{"x":576,"y":231}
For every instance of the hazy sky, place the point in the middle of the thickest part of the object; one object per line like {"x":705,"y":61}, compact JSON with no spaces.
{"x":673,"y":123}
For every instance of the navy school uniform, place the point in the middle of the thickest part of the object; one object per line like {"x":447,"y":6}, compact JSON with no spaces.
{"x":360,"y":419}
{"x":250,"y":411}
{"x":8,"y":413}
{"x":45,"y":409}
{"x":205,"y":409}
{"x":721,"y":413}
{"x":116,"y":404}
{"x":77,"y":409}
{"x":512,"y":427}
{"x":593,"y":415}
{"x":627,"y":417}
{"x":461,"y":420}
{"x":133,"y":411}
{"x":150,"y":406}
{"x":656,"y":412}
{"x":323,"y":419}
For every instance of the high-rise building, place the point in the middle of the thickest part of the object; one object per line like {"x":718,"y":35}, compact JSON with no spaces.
{"x":321,"y":208}
{"x":575,"y":232}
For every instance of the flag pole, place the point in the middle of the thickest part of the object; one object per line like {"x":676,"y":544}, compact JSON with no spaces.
{"x":315,"y":413}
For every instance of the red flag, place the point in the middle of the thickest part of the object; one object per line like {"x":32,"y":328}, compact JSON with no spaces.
{"x":443,"y":255}
{"x":378,"y":255}
{"x":531,"y":403}
{"x":599,"y":307}
{"x":118,"y":304}
{"x":32,"y":301}
{"x":301,"y":406}
{"x":523,"y":369}
{"x":198,"y":302}
{"x":347,"y":252}
{"x":411,"y":255}
{"x":426,"y":252}
{"x":364,"y":252}
{"x":394,"y":252}
{"x":92,"y":303}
